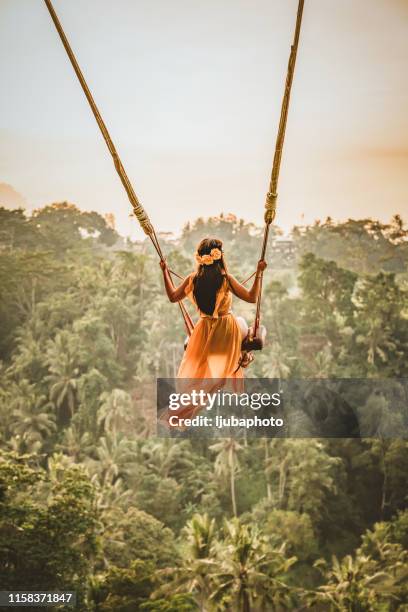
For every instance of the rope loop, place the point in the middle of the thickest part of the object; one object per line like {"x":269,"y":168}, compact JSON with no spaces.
{"x":142,"y":217}
{"x":270,"y":207}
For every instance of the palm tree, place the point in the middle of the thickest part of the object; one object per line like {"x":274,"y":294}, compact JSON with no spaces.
{"x":6,"y":417}
{"x":116,"y":406}
{"x":322,"y":363}
{"x":64,"y":373}
{"x":74,"y":444}
{"x":135,"y":265}
{"x":110,"y":496}
{"x":164,"y":338}
{"x":111,"y":501}
{"x":353,"y":584}
{"x":57,"y":463}
{"x":304,"y":474}
{"x":276,"y":363}
{"x":28,"y":359}
{"x":250,"y":575}
{"x":379,"y":302}
{"x":166,"y":457}
{"x":116,"y":457}
{"x":194,"y":576}
{"x":200,"y":537}
{"x":32,"y":421}
{"x":227,"y":465}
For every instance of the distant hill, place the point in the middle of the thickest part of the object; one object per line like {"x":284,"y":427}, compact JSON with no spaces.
{"x":10,"y":198}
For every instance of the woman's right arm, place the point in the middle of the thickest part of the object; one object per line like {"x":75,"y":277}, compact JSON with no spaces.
{"x":175,"y":294}
{"x":248,"y":295}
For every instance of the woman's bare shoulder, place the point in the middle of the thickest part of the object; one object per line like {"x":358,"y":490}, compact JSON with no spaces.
{"x":230,"y":278}
{"x":227,"y":282}
{"x":189,"y":281}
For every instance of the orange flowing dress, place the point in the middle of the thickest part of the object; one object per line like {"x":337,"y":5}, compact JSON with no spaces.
{"x":211,"y":359}
{"x":214,"y":347}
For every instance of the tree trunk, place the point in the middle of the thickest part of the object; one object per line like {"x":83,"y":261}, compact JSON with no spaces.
{"x":384,"y":483}
{"x":268,"y":484}
{"x":232,"y":485}
{"x":246,"y":607}
{"x":33,"y":286}
{"x":282,"y":481}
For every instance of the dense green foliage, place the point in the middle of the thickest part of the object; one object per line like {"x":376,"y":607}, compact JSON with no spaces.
{"x":90,"y":500}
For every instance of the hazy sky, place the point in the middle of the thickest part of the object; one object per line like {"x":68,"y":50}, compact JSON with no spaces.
{"x":191,"y":92}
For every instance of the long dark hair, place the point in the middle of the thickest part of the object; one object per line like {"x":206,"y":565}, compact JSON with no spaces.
{"x":208,"y":279}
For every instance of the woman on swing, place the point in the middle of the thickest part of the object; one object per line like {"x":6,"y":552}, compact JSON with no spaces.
{"x":214,"y":347}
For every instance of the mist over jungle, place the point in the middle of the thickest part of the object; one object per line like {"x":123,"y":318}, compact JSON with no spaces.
{"x":92,"y":501}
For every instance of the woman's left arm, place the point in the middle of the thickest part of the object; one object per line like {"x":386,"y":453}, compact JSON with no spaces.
{"x":242,"y":292}
{"x":175,"y":294}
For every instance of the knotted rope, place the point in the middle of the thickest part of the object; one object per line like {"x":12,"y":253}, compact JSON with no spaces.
{"x":272,"y":195}
{"x":137,"y":207}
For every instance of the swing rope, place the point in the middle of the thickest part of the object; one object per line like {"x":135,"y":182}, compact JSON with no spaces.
{"x":272,"y":195}
{"x":138,"y":209}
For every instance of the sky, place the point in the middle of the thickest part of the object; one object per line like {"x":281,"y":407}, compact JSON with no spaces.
{"x":191,"y":91}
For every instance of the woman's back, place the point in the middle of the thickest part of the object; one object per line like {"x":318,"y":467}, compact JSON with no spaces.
{"x":214,"y":347}
{"x":222,"y":301}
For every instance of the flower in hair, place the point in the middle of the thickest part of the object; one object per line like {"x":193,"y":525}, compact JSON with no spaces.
{"x":204,"y":260}
{"x":216,"y":254}
{"x":209,"y":258}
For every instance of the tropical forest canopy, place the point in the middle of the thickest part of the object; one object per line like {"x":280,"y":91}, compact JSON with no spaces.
{"x":91,"y":500}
